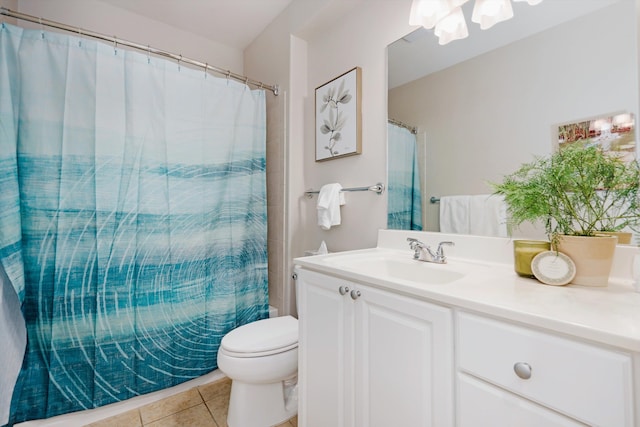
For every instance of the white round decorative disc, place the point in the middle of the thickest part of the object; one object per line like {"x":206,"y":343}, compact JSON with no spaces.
{"x":553,"y":268}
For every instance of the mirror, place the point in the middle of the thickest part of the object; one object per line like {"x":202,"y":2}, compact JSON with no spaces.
{"x":486,"y":104}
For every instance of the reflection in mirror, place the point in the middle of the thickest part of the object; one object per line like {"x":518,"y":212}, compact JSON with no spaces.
{"x":488,"y":103}
{"x":404,"y":210}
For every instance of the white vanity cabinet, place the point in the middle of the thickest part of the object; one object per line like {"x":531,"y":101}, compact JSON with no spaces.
{"x":390,"y":342}
{"x":369,"y":357}
{"x":510,"y":375}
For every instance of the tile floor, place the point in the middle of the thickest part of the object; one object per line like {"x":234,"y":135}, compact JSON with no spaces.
{"x":202,"y":406}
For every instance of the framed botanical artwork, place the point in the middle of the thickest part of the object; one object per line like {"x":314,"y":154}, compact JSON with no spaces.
{"x":614,"y":134}
{"x":339,"y":116}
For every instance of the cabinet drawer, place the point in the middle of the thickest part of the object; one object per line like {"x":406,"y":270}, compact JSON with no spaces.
{"x":481,"y":404}
{"x":582,"y":381}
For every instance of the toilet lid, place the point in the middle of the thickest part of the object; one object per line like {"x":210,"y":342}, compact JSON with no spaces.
{"x":263,"y":337}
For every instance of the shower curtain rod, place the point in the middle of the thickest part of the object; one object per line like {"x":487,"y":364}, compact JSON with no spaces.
{"x":411,"y":129}
{"x":148,"y":49}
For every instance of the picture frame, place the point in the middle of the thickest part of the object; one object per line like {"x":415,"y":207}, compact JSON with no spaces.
{"x":613,"y":133}
{"x":338,"y":116}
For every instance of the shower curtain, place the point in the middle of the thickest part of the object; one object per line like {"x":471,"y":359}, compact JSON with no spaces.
{"x":404,"y":211}
{"x":132,"y":217}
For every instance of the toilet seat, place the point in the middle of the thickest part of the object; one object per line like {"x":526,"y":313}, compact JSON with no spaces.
{"x":262,"y":338}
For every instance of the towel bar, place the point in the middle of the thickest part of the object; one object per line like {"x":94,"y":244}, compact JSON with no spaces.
{"x":434,"y":199}
{"x":377,"y":188}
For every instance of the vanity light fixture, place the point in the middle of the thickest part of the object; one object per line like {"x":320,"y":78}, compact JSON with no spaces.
{"x":449,"y":22}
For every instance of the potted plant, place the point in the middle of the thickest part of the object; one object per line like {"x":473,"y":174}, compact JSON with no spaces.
{"x":578,"y":192}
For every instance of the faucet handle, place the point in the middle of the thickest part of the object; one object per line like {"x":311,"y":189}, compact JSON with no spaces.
{"x":440,"y":250}
{"x":414,"y":244}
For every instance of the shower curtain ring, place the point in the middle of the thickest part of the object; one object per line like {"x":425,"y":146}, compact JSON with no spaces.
{"x":115,"y":45}
{"x":41,"y":28}
{"x":148,"y":54}
{"x":206,"y":65}
{"x":228,"y":74}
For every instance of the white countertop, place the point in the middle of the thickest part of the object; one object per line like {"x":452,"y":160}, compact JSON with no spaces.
{"x":607,"y":315}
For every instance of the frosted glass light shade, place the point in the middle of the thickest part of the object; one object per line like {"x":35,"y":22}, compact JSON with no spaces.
{"x":452,"y":27}
{"x":487,"y":13}
{"x":429,"y":12}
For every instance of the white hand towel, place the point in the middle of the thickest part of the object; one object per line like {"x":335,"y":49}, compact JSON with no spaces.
{"x":330,"y":199}
{"x":454,"y":214}
{"x":487,"y":215}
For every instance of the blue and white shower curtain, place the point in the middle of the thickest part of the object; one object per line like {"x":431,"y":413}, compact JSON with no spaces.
{"x":404,"y":211}
{"x":132,"y":217}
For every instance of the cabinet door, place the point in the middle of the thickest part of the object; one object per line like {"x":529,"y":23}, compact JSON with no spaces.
{"x":481,"y":404}
{"x":325,"y":353}
{"x":404,"y":361}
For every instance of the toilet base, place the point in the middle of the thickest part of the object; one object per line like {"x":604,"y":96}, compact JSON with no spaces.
{"x":257,"y":405}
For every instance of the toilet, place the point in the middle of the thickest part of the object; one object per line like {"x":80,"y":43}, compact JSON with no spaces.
{"x":261,"y":359}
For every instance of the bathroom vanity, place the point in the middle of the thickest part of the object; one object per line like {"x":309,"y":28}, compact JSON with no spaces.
{"x":388,"y":340}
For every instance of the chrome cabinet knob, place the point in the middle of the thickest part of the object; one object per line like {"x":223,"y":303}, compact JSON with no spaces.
{"x":343,"y":290}
{"x":522,"y":370}
{"x":355,"y":294}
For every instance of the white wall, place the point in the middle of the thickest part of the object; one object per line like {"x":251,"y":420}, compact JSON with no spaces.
{"x":356,"y":39}
{"x":312,"y":42}
{"x":12,"y":5}
{"x":486,"y":116}
{"x":104,"y":18}
{"x":273,"y":58}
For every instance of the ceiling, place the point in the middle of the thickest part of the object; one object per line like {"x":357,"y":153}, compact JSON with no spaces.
{"x":233,"y":23}
{"x":419,"y":53}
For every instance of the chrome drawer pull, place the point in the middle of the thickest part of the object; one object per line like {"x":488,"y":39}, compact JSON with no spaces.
{"x":343,"y":290}
{"x":522,"y":370}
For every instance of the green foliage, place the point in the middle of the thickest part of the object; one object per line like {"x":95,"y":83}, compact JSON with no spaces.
{"x":574,"y":191}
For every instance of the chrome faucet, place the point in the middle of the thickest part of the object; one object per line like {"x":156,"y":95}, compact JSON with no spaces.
{"x":423,"y":252}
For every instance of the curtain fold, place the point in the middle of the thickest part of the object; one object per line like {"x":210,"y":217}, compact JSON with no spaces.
{"x":404,"y":211}
{"x":133,"y":224}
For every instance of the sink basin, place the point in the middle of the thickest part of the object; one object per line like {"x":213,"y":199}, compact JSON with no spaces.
{"x":415,"y":271}
{"x":402,"y":267}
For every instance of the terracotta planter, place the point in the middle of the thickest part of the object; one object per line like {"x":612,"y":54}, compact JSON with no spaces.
{"x":593,"y":257}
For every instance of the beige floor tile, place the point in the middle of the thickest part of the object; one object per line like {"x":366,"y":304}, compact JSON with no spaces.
{"x":170,"y":405}
{"x":218,"y":407}
{"x":215,"y":389}
{"x":126,"y":419}
{"x":197,"y":416}
{"x":184,"y":409}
